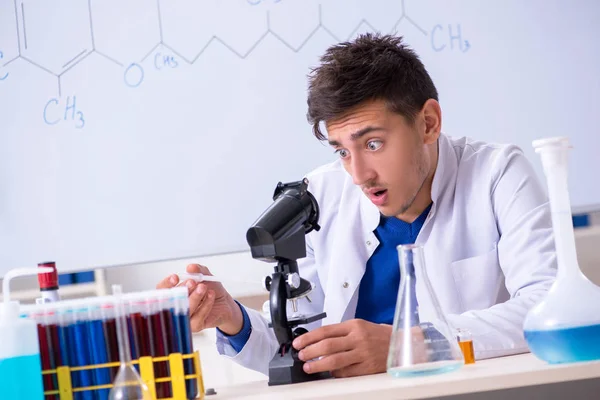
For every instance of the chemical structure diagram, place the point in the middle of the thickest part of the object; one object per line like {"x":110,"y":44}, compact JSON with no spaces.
{"x":162,"y":54}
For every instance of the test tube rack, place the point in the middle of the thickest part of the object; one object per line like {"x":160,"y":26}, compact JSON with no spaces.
{"x":177,"y":379}
{"x":79,"y":345}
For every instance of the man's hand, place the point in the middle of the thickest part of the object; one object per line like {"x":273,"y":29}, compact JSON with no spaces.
{"x":210,"y":304}
{"x":350,"y":348}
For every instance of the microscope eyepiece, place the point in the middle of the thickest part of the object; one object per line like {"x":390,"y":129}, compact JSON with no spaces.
{"x":279,"y":232}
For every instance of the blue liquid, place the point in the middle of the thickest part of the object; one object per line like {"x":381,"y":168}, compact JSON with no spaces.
{"x":81,"y":352}
{"x":175,"y":345}
{"x":70,"y":345}
{"x":183,"y":344}
{"x":565,"y":345}
{"x":188,"y":348}
{"x":63,"y":340}
{"x":99,"y":355}
{"x":22,"y":378}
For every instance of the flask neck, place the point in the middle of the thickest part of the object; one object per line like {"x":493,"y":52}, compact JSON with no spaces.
{"x":562,"y":220}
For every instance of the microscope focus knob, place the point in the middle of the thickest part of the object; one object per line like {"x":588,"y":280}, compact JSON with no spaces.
{"x":293,"y":280}
{"x":267,"y":283}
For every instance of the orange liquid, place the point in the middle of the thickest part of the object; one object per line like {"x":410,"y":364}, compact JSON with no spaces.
{"x":467,"y":349}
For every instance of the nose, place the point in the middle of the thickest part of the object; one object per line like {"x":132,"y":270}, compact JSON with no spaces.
{"x":361,"y":171}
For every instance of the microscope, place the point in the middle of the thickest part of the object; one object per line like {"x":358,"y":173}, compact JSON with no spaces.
{"x":278,"y":235}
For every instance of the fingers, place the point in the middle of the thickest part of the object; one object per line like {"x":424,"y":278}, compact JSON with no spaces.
{"x":195,"y":268}
{"x":332,"y":362}
{"x":173,"y":280}
{"x":322,"y":333}
{"x":325,"y":347}
{"x":197,"y":294}
{"x":198,"y":319}
{"x":169,"y":282}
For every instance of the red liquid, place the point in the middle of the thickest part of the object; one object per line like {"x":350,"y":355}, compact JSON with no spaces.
{"x":45,"y":355}
{"x":161,"y":369}
{"x":55,"y":357}
{"x":54,"y":342}
{"x":171,"y":339}
{"x":141,"y":332}
{"x":112,"y":344}
{"x":133,"y":340}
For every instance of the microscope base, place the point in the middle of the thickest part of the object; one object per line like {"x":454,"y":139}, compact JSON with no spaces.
{"x":285,"y":369}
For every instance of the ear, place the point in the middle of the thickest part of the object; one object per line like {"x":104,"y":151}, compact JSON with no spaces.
{"x":432,"y":116}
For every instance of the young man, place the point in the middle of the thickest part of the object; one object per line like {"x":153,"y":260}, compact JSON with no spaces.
{"x":477,"y":209}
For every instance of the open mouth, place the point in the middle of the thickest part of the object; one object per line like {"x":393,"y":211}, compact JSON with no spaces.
{"x":380,"y":193}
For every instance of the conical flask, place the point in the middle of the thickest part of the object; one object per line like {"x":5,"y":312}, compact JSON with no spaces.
{"x":565,"y":325}
{"x":419,"y":347}
{"x":128,"y":385}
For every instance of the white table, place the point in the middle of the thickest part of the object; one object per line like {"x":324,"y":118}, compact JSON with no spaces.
{"x":519,"y":371}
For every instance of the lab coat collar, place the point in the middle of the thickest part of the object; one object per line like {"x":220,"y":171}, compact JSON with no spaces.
{"x":446,"y":168}
{"x":349,"y":266}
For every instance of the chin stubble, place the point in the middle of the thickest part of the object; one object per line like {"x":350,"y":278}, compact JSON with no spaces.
{"x":421,"y":170}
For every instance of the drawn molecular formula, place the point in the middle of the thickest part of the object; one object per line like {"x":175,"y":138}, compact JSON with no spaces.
{"x":67,"y":51}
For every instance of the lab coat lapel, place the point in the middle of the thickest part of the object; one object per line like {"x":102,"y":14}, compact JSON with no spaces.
{"x":433,"y":236}
{"x":359,"y":218}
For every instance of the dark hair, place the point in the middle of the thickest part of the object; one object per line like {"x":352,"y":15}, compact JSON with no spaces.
{"x":372,"y":67}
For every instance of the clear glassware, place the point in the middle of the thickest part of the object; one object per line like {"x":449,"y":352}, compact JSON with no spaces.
{"x":565,"y":325}
{"x":419,"y":347}
{"x":128,"y":385}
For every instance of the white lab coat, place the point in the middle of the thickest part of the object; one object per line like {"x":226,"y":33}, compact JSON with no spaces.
{"x":488,"y":243}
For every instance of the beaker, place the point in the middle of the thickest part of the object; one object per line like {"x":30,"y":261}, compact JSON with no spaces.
{"x":419,"y":347}
{"x":465,"y":342}
{"x":565,"y":325}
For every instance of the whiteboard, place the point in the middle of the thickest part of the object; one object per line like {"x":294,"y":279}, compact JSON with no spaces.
{"x":136,"y":131}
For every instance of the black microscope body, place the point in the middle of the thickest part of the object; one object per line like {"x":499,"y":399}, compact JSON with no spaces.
{"x":278,"y":235}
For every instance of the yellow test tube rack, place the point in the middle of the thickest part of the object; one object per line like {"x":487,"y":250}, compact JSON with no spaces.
{"x":177,"y":376}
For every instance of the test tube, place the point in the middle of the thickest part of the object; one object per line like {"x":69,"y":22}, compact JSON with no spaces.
{"x":181,"y":319}
{"x":80,"y":349}
{"x":110,"y":333}
{"x":133,"y":317}
{"x":167,"y":305}
{"x":45,"y":343}
{"x":465,"y":342}
{"x":158,"y":334}
{"x":50,"y":322}
{"x":140,"y":326}
{"x":98,"y":347}
{"x":63,"y":319}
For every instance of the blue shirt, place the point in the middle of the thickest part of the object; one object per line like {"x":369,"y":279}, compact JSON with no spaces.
{"x":378,"y":289}
{"x":379,"y":286}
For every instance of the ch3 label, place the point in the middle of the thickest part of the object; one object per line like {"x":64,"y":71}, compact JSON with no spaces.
{"x":448,"y":38}
{"x":57,"y":111}
{"x":164,"y":61}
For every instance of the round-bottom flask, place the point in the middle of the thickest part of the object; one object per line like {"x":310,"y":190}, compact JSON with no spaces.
{"x":565,"y":325}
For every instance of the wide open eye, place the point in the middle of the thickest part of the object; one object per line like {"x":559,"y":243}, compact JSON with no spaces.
{"x":374,"y":145}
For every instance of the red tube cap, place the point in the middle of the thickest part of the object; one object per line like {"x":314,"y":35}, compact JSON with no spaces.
{"x":48,"y":280}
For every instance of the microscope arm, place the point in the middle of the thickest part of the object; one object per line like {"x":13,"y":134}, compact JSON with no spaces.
{"x":278,"y":302}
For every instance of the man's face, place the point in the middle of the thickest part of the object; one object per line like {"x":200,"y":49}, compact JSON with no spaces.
{"x":385,"y":155}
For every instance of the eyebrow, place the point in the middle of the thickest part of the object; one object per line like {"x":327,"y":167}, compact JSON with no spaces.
{"x":358,"y":135}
